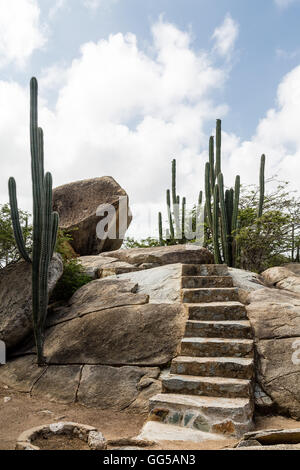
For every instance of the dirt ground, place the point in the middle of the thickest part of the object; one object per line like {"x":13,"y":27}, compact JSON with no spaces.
{"x":21,"y":412}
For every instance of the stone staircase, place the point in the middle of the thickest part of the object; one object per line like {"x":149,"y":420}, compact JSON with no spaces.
{"x":209,"y":387}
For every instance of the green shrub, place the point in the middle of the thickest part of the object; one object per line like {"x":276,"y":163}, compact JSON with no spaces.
{"x":72,"y":279}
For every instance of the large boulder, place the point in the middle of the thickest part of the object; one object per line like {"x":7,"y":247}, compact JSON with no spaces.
{"x":103,"y":387}
{"x":145,"y":334}
{"x":284,"y":277}
{"x":275,"y":317}
{"x":246,"y":281}
{"x":107,"y":346}
{"x":15,"y":299}
{"x":162,"y":284}
{"x":160,"y":255}
{"x":98,"y":266}
{"x":77,"y":204}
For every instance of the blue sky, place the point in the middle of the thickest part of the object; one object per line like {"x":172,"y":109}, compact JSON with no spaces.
{"x":125,"y":85}
{"x":267,"y":48}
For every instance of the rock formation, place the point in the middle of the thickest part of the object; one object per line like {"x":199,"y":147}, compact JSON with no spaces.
{"x":15,"y":299}
{"x":77,"y":204}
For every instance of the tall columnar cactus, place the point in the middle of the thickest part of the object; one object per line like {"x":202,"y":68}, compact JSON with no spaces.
{"x":45,"y":225}
{"x":172,"y":233}
{"x":175,"y":200}
{"x":176,"y":213}
{"x":160,"y":229}
{"x":215,"y":225}
{"x":222,"y":217}
{"x":183,"y":219}
{"x":261,"y":186}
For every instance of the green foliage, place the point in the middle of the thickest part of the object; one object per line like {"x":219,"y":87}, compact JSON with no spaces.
{"x":45,"y":225}
{"x":72,"y":279}
{"x":63,"y":245}
{"x":144,"y":243}
{"x":276,"y":233}
{"x":263,"y":248}
{"x":9,"y":252}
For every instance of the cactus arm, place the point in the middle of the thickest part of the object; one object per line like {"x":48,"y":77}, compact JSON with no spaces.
{"x":261,"y":185}
{"x":217,"y":255}
{"x":183,"y":219}
{"x":170,"y":214}
{"x":174,"y":200}
{"x":218,"y":147}
{"x":16,"y":220}
{"x":54,"y":224}
{"x":174,"y":196}
{"x":224,"y":221}
{"x":208,"y":196}
{"x":237,"y":190}
{"x":200,"y":198}
{"x":160,"y":229}
{"x":46,"y":249}
{"x":212,"y":163}
{"x":41,"y":153}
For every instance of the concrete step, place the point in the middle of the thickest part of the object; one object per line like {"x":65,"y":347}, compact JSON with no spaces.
{"x":193,"y":282}
{"x":213,"y":294}
{"x":231,"y":416}
{"x":207,"y":386}
{"x":217,"y":311}
{"x":204,"y":270}
{"x":216,"y":347}
{"x":218,"y":329}
{"x":232,"y":367}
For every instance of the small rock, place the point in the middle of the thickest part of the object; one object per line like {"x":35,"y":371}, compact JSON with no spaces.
{"x":249,"y":443}
{"x":96,"y":440}
{"x":56,"y":427}
{"x":6,"y":399}
{"x":46,"y":412}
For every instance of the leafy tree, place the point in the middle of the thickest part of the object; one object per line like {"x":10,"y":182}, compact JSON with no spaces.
{"x":144,"y":243}
{"x":273,"y":238}
{"x":8,"y":249}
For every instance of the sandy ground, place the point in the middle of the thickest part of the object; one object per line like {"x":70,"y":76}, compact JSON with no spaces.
{"x":22,"y":412}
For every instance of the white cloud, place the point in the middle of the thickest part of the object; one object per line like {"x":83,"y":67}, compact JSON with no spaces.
{"x":120,"y":112}
{"x":225,"y":36}
{"x":126,"y":113}
{"x":277,"y":135}
{"x":21,"y":31}
{"x":95,"y":4}
{"x":56,"y":7}
{"x":284,"y":3}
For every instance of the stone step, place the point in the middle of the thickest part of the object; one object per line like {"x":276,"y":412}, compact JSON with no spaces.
{"x":194,"y":282}
{"x":207,"y":386}
{"x":204,"y":270}
{"x":216,"y":347}
{"x":231,"y":367}
{"x":218,"y":329}
{"x":156,"y":431}
{"x":217,"y":311}
{"x":231,"y":416}
{"x":213,"y":294}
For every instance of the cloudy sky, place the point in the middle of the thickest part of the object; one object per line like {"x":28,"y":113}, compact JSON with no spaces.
{"x":127,"y":85}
